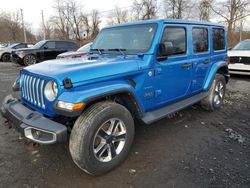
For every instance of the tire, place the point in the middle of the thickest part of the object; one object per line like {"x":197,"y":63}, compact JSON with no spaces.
{"x":93,"y":146}
{"x":216,"y":94}
{"x":29,"y":60}
{"x":6,"y":57}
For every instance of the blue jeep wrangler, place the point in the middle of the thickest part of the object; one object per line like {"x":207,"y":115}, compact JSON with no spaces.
{"x":139,"y":71}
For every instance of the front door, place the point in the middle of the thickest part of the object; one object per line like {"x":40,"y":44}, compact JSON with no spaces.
{"x":49,"y":50}
{"x":175,"y":73}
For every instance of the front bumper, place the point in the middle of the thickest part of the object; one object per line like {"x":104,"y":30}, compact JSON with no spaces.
{"x":16,"y":59}
{"x":31,"y":124}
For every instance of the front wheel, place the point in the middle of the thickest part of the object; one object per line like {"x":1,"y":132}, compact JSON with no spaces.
{"x":29,"y":60}
{"x":102,"y":137}
{"x":216,"y":94}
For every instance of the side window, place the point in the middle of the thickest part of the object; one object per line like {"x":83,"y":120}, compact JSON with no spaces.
{"x":50,"y":45}
{"x":72,"y":45}
{"x":218,"y":39}
{"x":200,"y":40}
{"x":20,"y":46}
{"x":61,"y":45}
{"x":175,"y":40}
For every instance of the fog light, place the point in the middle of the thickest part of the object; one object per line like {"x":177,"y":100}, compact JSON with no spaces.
{"x":40,"y":136}
{"x":70,"y":106}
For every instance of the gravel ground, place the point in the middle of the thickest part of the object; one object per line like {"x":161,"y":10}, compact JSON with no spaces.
{"x":192,"y":148}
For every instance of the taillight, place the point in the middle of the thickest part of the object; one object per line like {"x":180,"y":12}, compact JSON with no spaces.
{"x":227,"y":59}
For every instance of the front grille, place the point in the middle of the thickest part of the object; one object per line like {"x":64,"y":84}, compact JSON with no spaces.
{"x":236,"y":59}
{"x":32,"y":90}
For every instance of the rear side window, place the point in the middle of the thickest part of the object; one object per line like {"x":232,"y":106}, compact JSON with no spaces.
{"x":200,"y":40}
{"x":72,"y":45}
{"x":175,"y":39}
{"x":62,"y":45}
{"x":218,"y":39}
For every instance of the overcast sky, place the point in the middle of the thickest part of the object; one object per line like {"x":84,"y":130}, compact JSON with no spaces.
{"x":32,"y":8}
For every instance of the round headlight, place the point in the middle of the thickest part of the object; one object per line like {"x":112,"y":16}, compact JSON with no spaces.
{"x":51,"y":90}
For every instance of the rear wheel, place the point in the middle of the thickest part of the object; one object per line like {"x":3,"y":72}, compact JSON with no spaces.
{"x":29,"y":60}
{"x":102,"y":137}
{"x":6,"y":57}
{"x":216,"y":94}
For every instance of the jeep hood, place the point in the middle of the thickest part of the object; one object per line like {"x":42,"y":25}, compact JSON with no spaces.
{"x":83,"y":69}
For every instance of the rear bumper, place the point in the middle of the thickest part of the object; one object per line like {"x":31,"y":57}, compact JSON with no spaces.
{"x":31,"y":124}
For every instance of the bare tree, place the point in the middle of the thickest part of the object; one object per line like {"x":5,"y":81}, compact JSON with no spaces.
{"x":11,"y":30}
{"x":95,"y":21}
{"x":118,"y":16}
{"x":12,"y":21}
{"x":232,"y":11}
{"x":204,"y":8}
{"x":61,"y":24}
{"x":175,"y":8}
{"x":144,"y":9}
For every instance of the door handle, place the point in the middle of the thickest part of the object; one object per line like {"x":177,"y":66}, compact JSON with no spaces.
{"x":207,"y":61}
{"x":186,"y":65}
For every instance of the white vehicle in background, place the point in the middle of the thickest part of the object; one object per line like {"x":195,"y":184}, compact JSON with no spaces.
{"x":239,"y":57}
{"x":5,"y":52}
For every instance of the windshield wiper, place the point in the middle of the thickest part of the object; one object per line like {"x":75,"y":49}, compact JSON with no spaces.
{"x":121,"y":50}
{"x":97,"y":50}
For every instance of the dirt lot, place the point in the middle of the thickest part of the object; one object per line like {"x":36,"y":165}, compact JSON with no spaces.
{"x":193,"y":148}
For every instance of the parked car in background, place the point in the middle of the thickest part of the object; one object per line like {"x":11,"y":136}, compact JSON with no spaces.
{"x":43,"y":50}
{"x":137,"y":71}
{"x":79,"y":53}
{"x":239,"y":58}
{"x":5,"y":52}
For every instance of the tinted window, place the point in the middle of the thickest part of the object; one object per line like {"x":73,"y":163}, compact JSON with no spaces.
{"x":200,"y":40}
{"x":218,"y":39}
{"x":61,"y":45}
{"x":175,"y":40}
{"x":50,"y":45}
{"x":71,"y":45}
{"x":20,"y":46}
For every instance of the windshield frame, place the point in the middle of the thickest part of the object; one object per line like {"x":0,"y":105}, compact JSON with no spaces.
{"x":240,"y":43}
{"x":127,"y":51}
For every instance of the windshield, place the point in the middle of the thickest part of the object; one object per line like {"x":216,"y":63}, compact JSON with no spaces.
{"x":39,"y":44}
{"x":244,"y":45}
{"x":85,"y":48}
{"x":136,"y":38}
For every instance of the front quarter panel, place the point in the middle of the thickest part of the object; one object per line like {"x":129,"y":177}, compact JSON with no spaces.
{"x":95,"y":91}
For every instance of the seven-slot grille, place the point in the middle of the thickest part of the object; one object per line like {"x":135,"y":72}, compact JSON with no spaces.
{"x":32,"y":89}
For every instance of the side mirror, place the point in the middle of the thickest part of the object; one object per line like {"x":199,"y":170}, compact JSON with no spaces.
{"x":45,"y":47}
{"x":162,"y":52}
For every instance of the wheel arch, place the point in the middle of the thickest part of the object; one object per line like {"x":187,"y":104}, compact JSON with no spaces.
{"x":217,"y":68}
{"x":124,"y":97}
{"x":4,"y":54}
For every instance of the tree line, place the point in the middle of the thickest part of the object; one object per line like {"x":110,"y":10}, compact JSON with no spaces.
{"x":71,"y":21}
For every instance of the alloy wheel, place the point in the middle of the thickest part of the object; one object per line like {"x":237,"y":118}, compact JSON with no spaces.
{"x":109,"y":140}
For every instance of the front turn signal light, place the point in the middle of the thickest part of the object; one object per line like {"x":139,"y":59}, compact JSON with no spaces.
{"x":70,"y":106}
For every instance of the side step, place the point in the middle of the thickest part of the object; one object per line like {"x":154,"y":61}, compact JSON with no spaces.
{"x":150,"y":117}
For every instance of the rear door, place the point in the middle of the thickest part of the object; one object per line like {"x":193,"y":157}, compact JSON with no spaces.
{"x":201,"y":56}
{"x":175,"y":72}
{"x":62,"y":46}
